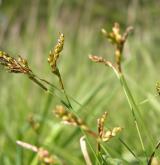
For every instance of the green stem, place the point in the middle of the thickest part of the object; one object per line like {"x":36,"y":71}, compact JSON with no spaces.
{"x":38,"y":81}
{"x":128,"y":148}
{"x":133,"y":106}
{"x":33,"y":78}
{"x":62,"y":87}
{"x":58,"y":89}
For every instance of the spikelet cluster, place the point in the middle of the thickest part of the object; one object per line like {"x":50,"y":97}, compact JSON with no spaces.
{"x":13,"y":65}
{"x":55,"y":52}
{"x":19,"y":65}
{"x":101,"y":60}
{"x":114,"y":37}
{"x":117,"y":39}
{"x":106,"y":135}
{"x":69,"y":118}
{"x":43,"y":155}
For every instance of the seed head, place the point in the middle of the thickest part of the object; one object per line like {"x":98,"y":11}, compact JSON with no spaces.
{"x":117,"y":39}
{"x":100,"y":123}
{"x":13,"y":65}
{"x":69,"y":118}
{"x":55,"y":52}
{"x":42,"y":153}
{"x":101,"y":60}
{"x":106,"y":135}
{"x":111,"y":133}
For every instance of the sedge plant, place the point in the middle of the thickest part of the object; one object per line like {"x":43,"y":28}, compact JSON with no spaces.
{"x":67,"y":113}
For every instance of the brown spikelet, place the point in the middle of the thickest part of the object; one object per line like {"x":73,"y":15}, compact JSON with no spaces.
{"x":13,"y":65}
{"x":43,"y":154}
{"x":19,"y":65}
{"x":106,"y":135}
{"x":100,"y":122}
{"x":117,"y":39}
{"x":111,"y":133}
{"x":55,"y":52}
{"x":99,"y":59}
{"x":69,"y":118}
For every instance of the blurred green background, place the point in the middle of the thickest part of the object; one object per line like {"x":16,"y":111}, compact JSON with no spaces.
{"x":30,"y":28}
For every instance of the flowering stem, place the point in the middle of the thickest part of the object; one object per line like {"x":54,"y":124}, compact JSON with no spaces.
{"x":133,"y":106}
{"x":62,"y":86}
{"x":32,"y":77}
{"x":92,"y":133}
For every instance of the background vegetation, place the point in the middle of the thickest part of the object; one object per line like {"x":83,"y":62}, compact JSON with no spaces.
{"x":30,"y":28}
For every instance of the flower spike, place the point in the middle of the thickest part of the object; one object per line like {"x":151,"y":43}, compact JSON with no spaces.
{"x":54,"y":53}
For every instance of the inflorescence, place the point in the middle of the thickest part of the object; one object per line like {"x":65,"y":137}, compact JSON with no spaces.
{"x":118,"y":40}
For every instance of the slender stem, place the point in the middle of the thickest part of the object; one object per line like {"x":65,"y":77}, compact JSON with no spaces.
{"x":58,"y":89}
{"x":37,"y":80}
{"x":129,"y":149}
{"x":133,"y":106}
{"x":32,"y":77}
{"x":62,"y":86}
{"x":91,"y":133}
{"x":139,"y":134}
